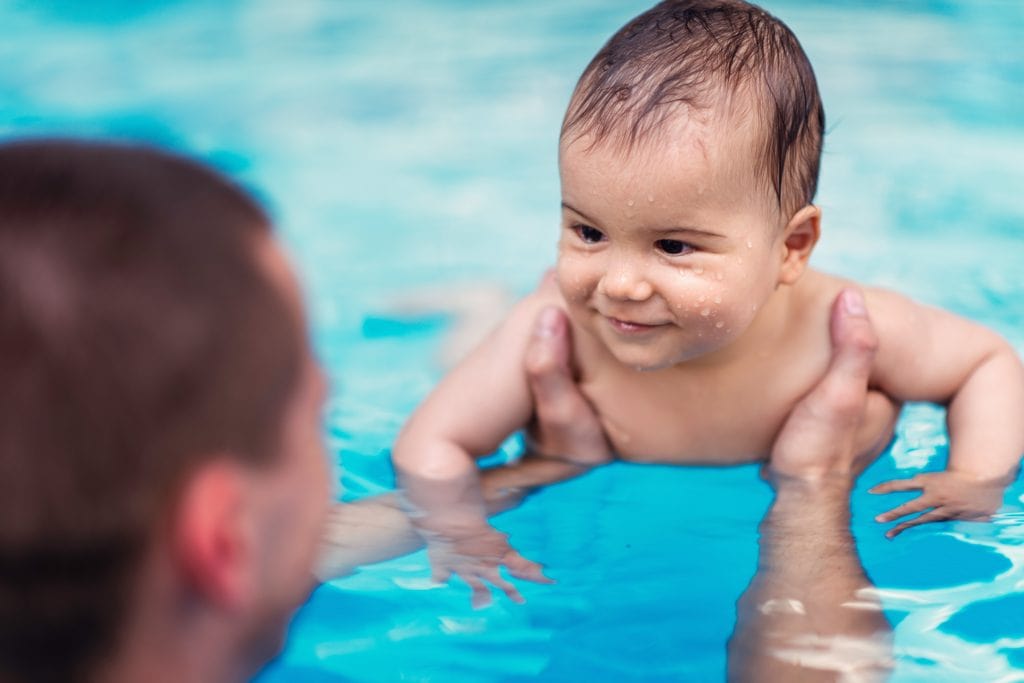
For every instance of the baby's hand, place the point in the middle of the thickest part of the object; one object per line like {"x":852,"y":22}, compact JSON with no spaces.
{"x":944,"y":495}
{"x":475,"y":553}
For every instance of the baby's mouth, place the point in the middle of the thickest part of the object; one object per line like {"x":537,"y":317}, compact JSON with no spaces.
{"x":631,"y":326}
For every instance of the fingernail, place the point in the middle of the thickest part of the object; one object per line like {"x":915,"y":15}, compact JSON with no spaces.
{"x":853,"y":302}
{"x":546,"y":323}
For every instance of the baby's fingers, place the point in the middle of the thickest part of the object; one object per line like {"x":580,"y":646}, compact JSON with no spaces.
{"x":481,"y":594}
{"x":894,"y":485}
{"x":936,"y":515}
{"x":918,"y":504}
{"x":522,"y":568}
{"x":494,"y":576}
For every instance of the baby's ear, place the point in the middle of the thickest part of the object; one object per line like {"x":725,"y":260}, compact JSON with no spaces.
{"x":798,"y":240}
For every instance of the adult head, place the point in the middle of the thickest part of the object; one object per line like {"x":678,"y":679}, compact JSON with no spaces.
{"x":162,"y":481}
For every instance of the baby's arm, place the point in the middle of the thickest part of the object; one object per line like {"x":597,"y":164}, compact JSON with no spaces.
{"x":926,"y":354}
{"x":469,"y":414}
{"x":377,"y":528}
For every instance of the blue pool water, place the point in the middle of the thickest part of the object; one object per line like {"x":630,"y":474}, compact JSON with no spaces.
{"x":411,"y":144}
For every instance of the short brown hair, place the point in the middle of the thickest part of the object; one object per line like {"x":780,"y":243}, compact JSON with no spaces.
{"x":682,"y":53}
{"x":138,"y":335}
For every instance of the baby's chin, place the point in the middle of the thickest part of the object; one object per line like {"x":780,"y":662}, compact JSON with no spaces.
{"x":644,"y":360}
{"x":652,"y":359}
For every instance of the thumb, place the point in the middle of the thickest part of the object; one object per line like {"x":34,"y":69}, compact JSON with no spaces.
{"x":854,"y":341}
{"x":839,"y":396}
{"x":821,"y":429}
{"x":547,"y":359}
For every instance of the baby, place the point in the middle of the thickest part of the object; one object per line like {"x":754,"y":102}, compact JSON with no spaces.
{"x":689,"y":161}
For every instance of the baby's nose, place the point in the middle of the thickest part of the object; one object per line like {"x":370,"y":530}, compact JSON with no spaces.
{"x":625,"y":281}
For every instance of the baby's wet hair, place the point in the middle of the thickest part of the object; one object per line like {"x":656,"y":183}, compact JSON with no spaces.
{"x":691,"y":53}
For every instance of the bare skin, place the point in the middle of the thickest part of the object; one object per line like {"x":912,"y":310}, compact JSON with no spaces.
{"x":565,"y":442}
{"x":809,"y":613}
{"x":697,"y":328}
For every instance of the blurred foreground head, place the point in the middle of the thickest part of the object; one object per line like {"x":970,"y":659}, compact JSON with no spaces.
{"x":158,"y":414}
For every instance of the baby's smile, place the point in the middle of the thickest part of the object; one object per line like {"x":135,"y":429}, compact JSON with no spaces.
{"x":666,"y":250}
{"x":633,"y":328}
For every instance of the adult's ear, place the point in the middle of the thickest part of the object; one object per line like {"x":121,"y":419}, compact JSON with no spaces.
{"x":211,"y":535}
{"x":798,"y":240}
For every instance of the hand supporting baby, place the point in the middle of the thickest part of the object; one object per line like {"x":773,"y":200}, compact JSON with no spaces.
{"x":565,"y":426}
{"x":808,"y":613}
{"x":839,"y":426}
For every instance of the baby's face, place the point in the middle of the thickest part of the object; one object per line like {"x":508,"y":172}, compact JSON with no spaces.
{"x":669,"y":251}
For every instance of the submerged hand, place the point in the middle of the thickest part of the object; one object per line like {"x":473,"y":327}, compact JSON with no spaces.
{"x":944,"y":496}
{"x":475,"y":554}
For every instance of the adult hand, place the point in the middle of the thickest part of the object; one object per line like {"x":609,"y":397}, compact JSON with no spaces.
{"x":809,"y":613}
{"x":565,"y":426}
{"x":839,"y":426}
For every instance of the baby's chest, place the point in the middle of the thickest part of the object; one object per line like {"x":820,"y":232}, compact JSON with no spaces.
{"x":650,"y":420}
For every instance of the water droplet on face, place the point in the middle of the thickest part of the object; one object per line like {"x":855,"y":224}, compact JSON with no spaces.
{"x":705,"y":312}
{"x":719,"y":324}
{"x":718,"y":299}
{"x":630,"y":203}
{"x":702,"y":298}
{"x":750,"y":244}
{"x":698,"y":270}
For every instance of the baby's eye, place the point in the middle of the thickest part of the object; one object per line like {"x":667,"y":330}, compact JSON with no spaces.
{"x":588,"y":234}
{"x":673,"y":247}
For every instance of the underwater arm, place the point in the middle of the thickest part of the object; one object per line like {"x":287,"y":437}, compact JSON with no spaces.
{"x":809,"y":613}
{"x":472,"y":411}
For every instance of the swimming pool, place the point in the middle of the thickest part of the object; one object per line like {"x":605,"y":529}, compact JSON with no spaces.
{"x":409,"y":144}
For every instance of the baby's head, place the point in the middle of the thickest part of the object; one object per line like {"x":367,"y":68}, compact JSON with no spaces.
{"x":689,"y":160}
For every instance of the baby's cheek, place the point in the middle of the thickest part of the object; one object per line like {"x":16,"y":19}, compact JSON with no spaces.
{"x":689,"y":292}
{"x":736,"y":314}
{"x":574,"y":278}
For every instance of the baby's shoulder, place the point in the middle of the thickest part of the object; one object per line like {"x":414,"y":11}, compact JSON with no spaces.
{"x":819,"y":292}
{"x":902,"y":325}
